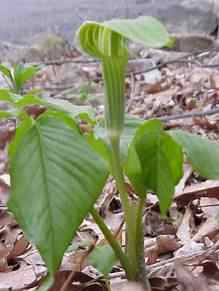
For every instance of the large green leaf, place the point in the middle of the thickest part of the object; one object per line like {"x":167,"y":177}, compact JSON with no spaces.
{"x":24,"y":126}
{"x":131,"y":125}
{"x":64,"y":105}
{"x":7,"y":95}
{"x":101,"y":147}
{"x":28,"y":73}
{"x":8,"y":114}
{"x":30,"y":99}
{"x":202,"y":153}
{"x":103,"y":258}
{"x":58,"y":105}
{"x":145,"y":29}
{"x":154,"y":162}
{"x":55,"y":177}
{"x":22,"y":74}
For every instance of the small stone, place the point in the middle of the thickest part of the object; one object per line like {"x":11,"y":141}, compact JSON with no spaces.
{"x":152,"y":77}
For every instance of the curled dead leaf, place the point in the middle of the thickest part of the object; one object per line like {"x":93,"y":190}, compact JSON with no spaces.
{"x":18,"y":279}
{"x":206,"y":189}
{"x":126,"y":286}
{"x":164,"y":244}
{"x":155,"y":225}
{"x":79,"y":282}
{"x":188,"y":280}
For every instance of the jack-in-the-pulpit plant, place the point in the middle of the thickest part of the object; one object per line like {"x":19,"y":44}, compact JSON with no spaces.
{"x":58,"y":172}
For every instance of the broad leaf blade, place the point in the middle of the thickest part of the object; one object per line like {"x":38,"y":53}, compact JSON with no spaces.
{"x":101,"y":147}
{"x":131,"y":125}
{"x":28,"y":73}
{"x":23,"y":74}
{"x":24,"y":126}
{"x":64,"y":105}
{"x":146,"y":30}
{"x":6,"y":95}
{"x":103,"y":259}
{"x":6,"y":114}
{"x":30,"y":99}
{"x":202,"y":153}
{"x":154,"y":162}
{"x":56,"y":178}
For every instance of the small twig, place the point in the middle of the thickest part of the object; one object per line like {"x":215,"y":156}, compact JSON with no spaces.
{"x":66,"y":61}
{"x":209,"y":205}
{"x":119,"y":229}
{"x":181,"y":59}
{"x":187,"y":115}
{"x":66,"y":284}
{"x":58,"y":88}
{"x":200,"y":256}
{"x":160,"y":66}
{"x":210,"y":66}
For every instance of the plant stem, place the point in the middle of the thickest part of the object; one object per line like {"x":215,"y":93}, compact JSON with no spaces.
{"x":120,"y":182}
{"x":113,"y":242}
{"x":107,"y":282}
{"x":141,"y":275}
{"x":118,"y":173}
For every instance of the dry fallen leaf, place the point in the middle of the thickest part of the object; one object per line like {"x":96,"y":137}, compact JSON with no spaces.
{"x":126,"y":286}
{"x":19,"y":278}
{"x":164,"y":244}
{"x":20,"y":247}
{"x":209,"y":228}
{"x":209,"y":188}
{"x":12,"y":245}
{"x":154,"y":225}
{"x":4,"y":190}
{"x":188,"y":281}
{"x":7,"y":240}
{"x":187,"y":170}
{"x":78,"y":282}
{"x":184,"y":230}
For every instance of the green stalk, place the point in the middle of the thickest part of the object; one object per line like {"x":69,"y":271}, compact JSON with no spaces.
{"x":114,"y":108}
{"x":141,"y":275}
{"x":130,"y":226}
{"x":114,"y":79}
{"x":113,"y":243}
{"x":118,"y":174}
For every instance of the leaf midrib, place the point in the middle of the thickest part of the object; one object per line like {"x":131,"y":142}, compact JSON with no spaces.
{"x":43,"y":165}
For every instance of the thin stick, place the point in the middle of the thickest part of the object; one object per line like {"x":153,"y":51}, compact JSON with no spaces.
{"x":187,"y":115}
{"x":67,"y":282}
{"x":209,"y":205}
{"x":181,"y":58}
{"x":200,"y":256}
